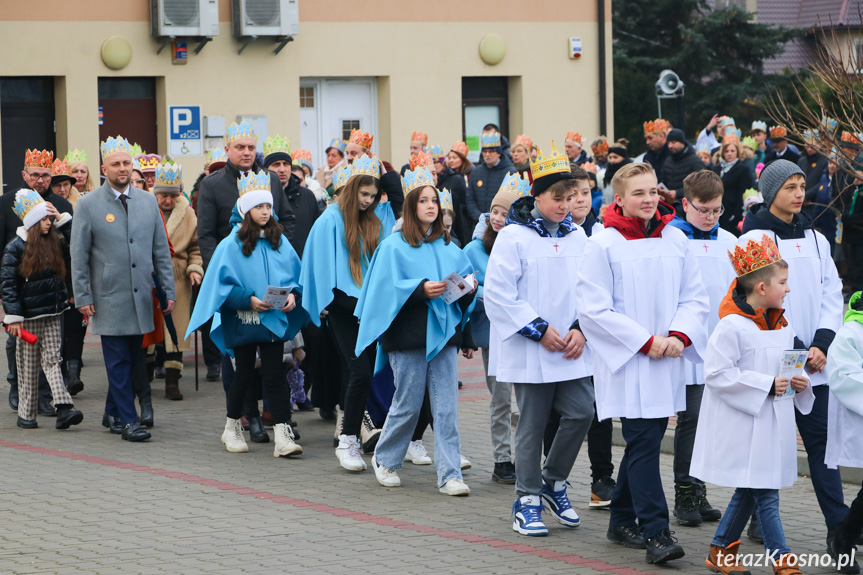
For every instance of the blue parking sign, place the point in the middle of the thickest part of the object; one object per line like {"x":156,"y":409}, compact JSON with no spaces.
{"x":185,"y":122}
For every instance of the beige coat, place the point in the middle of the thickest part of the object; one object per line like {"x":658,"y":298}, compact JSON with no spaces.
{"x":74,"y":196}
{"x":182,"y":228}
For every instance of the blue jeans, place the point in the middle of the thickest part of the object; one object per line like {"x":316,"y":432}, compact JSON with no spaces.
{"x":412,"y":373}
{"x":765,"y":502}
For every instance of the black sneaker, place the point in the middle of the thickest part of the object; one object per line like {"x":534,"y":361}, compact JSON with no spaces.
{"x":686,"y":506}
{"x":213,"y":372}
{"x":663,"y":548}
{"x":600,"y":492}
{"x":504,"y":472}
{"x":708,"y":512}
{"x":841,"y":547}
{"x":627,"y":535}
{"x":754,"y":531}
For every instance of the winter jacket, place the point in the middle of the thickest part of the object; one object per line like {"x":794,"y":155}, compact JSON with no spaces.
{"x":678,"y":166}
{"x":9,"y":222}
{"x":217,"y":196}
{"x":43,"y":294}
{"x":484,"y":184}
{"x":657,"y":159}
{"x":813,"y":166}
{"x":789,"y":155}
{"x":304,"y":204}
{"x":612,"y":169}
{"x":454,"y":182}
{"x":408,"y":329}
{"x":735,"y":181}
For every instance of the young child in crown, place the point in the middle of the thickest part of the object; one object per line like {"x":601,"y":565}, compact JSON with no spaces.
{"x":746,"y":434}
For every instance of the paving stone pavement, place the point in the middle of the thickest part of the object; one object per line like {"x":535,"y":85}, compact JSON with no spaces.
{"x":84,"y":501}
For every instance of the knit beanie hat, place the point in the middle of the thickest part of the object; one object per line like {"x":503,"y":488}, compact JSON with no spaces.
{"x":676,"y":135}
{"x":774,"y":176}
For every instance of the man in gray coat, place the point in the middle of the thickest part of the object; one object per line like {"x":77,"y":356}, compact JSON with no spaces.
{"x":118,"y":241}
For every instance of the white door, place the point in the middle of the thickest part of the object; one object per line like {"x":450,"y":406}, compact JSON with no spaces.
{"x":310,"y":109}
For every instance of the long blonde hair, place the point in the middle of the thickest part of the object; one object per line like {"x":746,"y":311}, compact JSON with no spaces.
{"x":89,"y":184}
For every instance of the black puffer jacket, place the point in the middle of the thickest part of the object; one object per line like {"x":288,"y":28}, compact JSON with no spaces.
{"x":678,"y":166}
{"x":735,"y":182}
{"x":484,"y":184}
{"x":42,"y":294}
{"x":454,"y":182}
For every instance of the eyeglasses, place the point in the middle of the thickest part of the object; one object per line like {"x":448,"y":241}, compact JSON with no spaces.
{"x":39,"y":176}
{"x":139,"y":182}
{"x":715,"y":213}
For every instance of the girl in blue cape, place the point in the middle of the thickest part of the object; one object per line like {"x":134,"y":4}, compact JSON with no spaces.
{"x":253,"y":256}
{"x":401,"y":308}
{"x":336,"y":257}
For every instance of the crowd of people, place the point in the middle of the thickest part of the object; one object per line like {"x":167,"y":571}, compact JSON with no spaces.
{"x":594,"y":287}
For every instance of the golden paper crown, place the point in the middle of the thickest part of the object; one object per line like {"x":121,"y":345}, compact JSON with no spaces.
{"x":38,"y":159}
{"x":600,"y":149}
{"x":259,"y":181}
{"x":362,"y":139}
{"x":416,"y":179}
{"x":418,"y":136}
{"x":149,"y":162}
{"x":754,"y":256}
{"x":573,"y":136}
{"x":366,"y":165}
{"x":461,"y":148}
{"x":76,"y":155}
{"x":778,"y":132}
{"x":60,"y":168}
{"x":849,"y":138}
{"x":275,"y":144}
{"x":241,"y":131}
{"x":656,"y":126}
{"x":731,"y":138}
{"x":169,"y":174}
{"x":445,"y":198}
{"x":115,"y":145}
{"x":301,"y":154}
{"x":524,"y":141}
{"x":556,"y":163}
{"x":26,"y":201}
{"x":423,"y":159}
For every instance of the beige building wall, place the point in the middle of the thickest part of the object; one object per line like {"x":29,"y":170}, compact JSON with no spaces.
{"x":418,"y":64}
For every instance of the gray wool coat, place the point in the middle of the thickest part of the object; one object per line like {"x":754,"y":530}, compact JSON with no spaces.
{"x":113,"y":259}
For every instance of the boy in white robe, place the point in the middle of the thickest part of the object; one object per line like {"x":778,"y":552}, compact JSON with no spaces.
{"x":642,"y":307}
{"x":537,"y":344}
{"x":702,"y":207}
{"x":845,"y":425}
{"x":814,"y":308}
{"x":746,"y":435}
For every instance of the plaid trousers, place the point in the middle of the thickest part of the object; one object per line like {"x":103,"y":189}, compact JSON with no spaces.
{"x":46,"y":351}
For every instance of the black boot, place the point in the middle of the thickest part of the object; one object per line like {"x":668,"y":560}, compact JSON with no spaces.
{"x":663,"y":548}
{"x":74,"y":383}
{"x":13,"y":397}
{"x":213,"y":372}
{"x":67,"y":416}
{"x":45,"y":408}
{"x":256,"y":430}
{"x":754,"y":530}
{"x":686,"y":506}
{"x":841,"y":546}
{"x":708,"y":512}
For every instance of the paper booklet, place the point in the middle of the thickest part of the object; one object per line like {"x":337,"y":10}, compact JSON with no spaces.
{"x":277,"y":296}
{"x":792,"y":364}
{"x":456,"y":287}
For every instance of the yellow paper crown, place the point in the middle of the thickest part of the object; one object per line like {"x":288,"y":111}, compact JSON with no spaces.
{"x":149,"y":162}
{"x":556,"y":163}
{"x":754,"y":256}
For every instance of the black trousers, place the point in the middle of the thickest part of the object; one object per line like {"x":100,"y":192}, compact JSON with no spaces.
{"x":359,"y":370}
{"x":854,"y":520}
{"x":272,"y":376}
{"x":74,"y":331}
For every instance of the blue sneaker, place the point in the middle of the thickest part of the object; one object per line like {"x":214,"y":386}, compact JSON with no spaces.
{"x":527,"y":516}
{"x":558,"y":505}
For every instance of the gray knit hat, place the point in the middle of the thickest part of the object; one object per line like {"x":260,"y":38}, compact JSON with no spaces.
{"x":774,"y":176}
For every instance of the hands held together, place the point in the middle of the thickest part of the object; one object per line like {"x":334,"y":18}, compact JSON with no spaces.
{"x":572,"y":345}
{"x":665,"y":347}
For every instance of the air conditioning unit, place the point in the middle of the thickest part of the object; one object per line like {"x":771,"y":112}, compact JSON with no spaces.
{"x":193,"y":18}
{"x":256,"y":18}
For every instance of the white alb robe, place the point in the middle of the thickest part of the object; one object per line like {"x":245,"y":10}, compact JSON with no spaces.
{"x":530,"y":276}
{"x":627,"y":291}
{"x":717,"y":275}
{"x":815,"y":301}
{"x":845,"y":415}
{"x":745,"y":437}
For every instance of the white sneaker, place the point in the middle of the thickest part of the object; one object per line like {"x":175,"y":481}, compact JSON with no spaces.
{"x":417,"y":453}
{"x":386,"y":477}
{"x":285,"y":444}
{"x":369,"y":434}
{"x":465,"y":463}
{"x":348,"y":453}
{"x":233,"y":438}
{"x":455,"y":486}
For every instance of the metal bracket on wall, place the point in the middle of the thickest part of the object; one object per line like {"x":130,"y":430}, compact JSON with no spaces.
{"x":283,"y":41}
{"x":202,"y":42}
{"x":246,"y":41}
{"x":164,"y":41}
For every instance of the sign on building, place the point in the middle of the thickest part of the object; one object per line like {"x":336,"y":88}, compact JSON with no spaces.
{"x":184,"y":131}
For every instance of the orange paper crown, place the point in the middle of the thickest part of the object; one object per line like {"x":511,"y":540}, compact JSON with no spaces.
{"x":423,"y":160}
{"x":301,"y":154}
{"x":38,"y":159}
{"x":573,"y":136}
{"x":361,"y":138}
{"x":754,"y":256}
{"x":778,"y":132}
{"x":589,"y":167}
{"x":600,"y":149}
{"x":850,"y":138}
{"x":524,"y":141}
{"x":420,"y":137}
{"x":730,"y":138}
{"x":656,"y":126}
{"x":461,"y":148}
{"x":60,"y":168}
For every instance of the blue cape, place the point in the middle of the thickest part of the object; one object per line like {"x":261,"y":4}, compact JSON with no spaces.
{"x":394,"y":273}
{"x":326,"y":264}
{"x":384,"y":212}
{"x":475,"y":252}
{"x":230,"y":270}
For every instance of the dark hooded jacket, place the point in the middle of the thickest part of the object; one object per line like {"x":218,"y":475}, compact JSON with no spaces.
{"x":484,"y":185}
{"x":304,"y":204}
{"x":678,"y":166}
